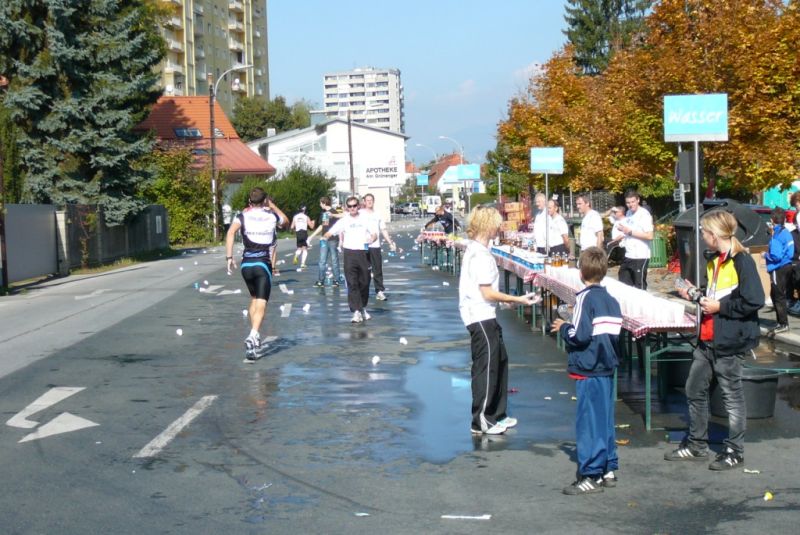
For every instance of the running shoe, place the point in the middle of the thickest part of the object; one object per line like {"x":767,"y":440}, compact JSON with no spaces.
{"x":585,"y":485}
{"x":508,"y":422}
{"x":726,"y":460}
{"x":356,"y":317}
{"x":685,"y":453}
{"x":366,"y":316}
{"x":610,"y":479}
{"x":380,"y":296}
{"x":496,"y":429}
{"x":302,"y":266}
{"x":319,"y":284}
{"x":252,"y":344}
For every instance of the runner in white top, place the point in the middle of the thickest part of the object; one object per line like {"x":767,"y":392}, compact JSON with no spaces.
{"x":374,"y":253}
{"x":478,"y":291}
{"x":591,"y":224}
{"x":638,"y":230}
{"x":358,"y":232}
{"x":300,"y":224}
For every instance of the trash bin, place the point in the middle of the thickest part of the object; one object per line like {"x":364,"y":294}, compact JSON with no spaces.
{"x":658,"y":251}
{"x":751,"y":231}
{"x":760,"y":389}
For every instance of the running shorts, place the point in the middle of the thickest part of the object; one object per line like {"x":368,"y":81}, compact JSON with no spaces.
{"x":258,"y":277}
{"x":302,"y":236}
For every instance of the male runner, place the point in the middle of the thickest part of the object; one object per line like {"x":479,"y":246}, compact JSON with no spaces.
{"x":258,"y":223}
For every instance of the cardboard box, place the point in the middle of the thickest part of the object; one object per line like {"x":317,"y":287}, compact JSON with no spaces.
{"x":513,"y":206}
{"x":761,"y":265}
{"x":508,"y":226}
{"x":515,"y":216}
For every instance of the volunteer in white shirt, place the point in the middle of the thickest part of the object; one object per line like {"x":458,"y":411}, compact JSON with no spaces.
{"x":638,"y":230}
{"x":558,"y":232}
{"x":359,"y":231}
{"x":540,"y":223}
{"x":478,"y":291}
{"x":591,"y":224}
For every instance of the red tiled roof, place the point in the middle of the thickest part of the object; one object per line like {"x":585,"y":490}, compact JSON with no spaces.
{"x":234,"y":158}
{"x":411,"y":168}
{"x":438,"y":169}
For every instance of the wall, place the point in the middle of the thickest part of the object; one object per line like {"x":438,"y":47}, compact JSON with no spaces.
{"x":31,"y":241}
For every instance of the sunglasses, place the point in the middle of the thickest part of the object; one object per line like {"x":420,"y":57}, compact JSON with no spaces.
{"x":352,"y":206}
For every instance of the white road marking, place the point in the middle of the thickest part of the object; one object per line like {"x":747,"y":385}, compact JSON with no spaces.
{"x":93,"y":294}
{"x":63,"y":423}
{"x":48,"y":399}
{"x":465,"y":517}
{"x":155,"y":446}
{"x":230,"y":292}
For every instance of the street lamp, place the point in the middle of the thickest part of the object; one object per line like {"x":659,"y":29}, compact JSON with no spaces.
{"x":435,"y":156}
{"x":459,"y":145}
{"x":212,"y":92}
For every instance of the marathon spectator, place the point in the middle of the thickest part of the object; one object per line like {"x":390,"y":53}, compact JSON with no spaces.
{"x":591,"y":224}
{"x":328,"y":249}
{"x":558,"y":231}
{"x":794,"y":282}
{"x":779,"y":266}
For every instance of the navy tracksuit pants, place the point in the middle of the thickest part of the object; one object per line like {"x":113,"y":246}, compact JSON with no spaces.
{"x":594,"y":426}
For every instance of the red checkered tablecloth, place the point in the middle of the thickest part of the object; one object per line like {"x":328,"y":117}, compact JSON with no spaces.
{"x":513,"y":265}
{"x":432,"y":236}
{"x":638,"y":327}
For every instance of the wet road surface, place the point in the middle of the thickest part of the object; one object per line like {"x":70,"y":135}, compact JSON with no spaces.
{"x":316,"y":438}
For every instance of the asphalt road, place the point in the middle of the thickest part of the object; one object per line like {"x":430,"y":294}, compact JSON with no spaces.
{"x":115,"y":423}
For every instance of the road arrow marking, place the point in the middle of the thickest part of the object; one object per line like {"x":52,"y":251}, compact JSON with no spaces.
{"x":48,"y":399}
{"x":63,"y":423}
{"x":155,"y":446}
{"x":93,"y":294}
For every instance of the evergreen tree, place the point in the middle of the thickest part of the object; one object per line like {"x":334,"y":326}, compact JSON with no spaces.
{"x":9,"y":155}
{"x":597,"y":28}
{"x":82,"y":76}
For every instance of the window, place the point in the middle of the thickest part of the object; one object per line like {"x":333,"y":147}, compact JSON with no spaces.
{"x":187,"y":133}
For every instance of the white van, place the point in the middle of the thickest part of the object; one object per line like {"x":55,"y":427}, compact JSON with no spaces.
{"x":431,"y":202}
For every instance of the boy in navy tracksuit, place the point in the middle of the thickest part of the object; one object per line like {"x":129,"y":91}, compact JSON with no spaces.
{"x":593,"y":356}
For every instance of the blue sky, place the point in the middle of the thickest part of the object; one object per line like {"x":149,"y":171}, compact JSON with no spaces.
{"x":460,"y":60}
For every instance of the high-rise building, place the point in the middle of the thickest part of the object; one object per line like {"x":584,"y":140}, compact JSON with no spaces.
{"x":211,"y":36}
{"x":372,"y":96}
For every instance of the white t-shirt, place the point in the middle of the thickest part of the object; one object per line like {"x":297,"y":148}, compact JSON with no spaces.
{"x":539,"y":229}
{"x":378,"y":222}
{"x":615,"y":231}
{"x":641,"y":221}
{"x":478,"y":267}
{"x":300,"y":221}
{"x":591,"y":224}
{"x":356,"y":231}
{"x":558,"y":227}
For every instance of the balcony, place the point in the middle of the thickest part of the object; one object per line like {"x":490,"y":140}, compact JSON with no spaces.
{"x":235,"y":26}
{"x":174,"y":45}
{"x":174,"y":22}
{"x":258,"y":34}
{"x":199,"y":53}
{"x":233,"y":44}
{"x":198,"y":28}
{"x":200,"y":72}
{"x":241,"y":87}
{"x":198,"y":9}
{"x":171,"y":66}
{"x":236,"y":5}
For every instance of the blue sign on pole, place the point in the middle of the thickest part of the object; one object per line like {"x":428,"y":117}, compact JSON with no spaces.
{"x":696,"y":117}
{"x":547,"y":160}
{"x":458,"y":173}
{"x":422,"y":180}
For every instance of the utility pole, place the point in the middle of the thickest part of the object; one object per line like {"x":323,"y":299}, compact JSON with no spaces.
{"x":350,"y":152}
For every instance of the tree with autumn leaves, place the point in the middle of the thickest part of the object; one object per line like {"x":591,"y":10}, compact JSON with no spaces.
{"x":611,"y":124}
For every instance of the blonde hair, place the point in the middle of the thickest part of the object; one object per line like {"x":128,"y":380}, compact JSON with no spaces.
{"x":482,"y":221}
{"x":723,"y":225}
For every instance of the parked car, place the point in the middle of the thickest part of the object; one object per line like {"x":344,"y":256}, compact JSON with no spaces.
{"x":410,"y":208}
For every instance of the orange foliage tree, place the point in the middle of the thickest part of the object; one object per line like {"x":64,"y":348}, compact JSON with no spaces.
{"x":611,"y":125}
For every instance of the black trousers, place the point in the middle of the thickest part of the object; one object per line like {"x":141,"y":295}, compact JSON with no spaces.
{"x":780,"y":279}
{"x":633,"y":272}
{"x":356,"y":273}
{"x":376,"y":265}
{"x":489,"y":374}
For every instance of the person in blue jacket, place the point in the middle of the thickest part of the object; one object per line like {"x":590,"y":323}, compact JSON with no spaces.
{"x":779,"y":266}
{"x":592,"y":343}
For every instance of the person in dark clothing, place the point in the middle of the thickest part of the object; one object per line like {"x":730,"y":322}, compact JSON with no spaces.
{"x":728,"y":329}
{"x":794,"y":280}
{"x":779,"y":266}
{"x":447,"y":220}
{"x":592,"y":342}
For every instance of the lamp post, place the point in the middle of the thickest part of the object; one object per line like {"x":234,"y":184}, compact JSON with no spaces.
{"x":212,"y":92}
{"x":459,"y":145}
{"x":4,"y":264}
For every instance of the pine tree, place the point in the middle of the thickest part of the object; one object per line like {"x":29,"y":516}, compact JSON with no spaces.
{"x":597,"y":28}
{"x":82,"y":76}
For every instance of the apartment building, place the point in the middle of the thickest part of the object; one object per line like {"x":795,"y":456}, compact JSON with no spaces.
{"x":211,"y":36}
{"x":371,"y":96}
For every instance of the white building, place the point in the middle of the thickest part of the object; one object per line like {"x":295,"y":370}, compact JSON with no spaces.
{"x":372,"y":96}
{"x":378,"y":156}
